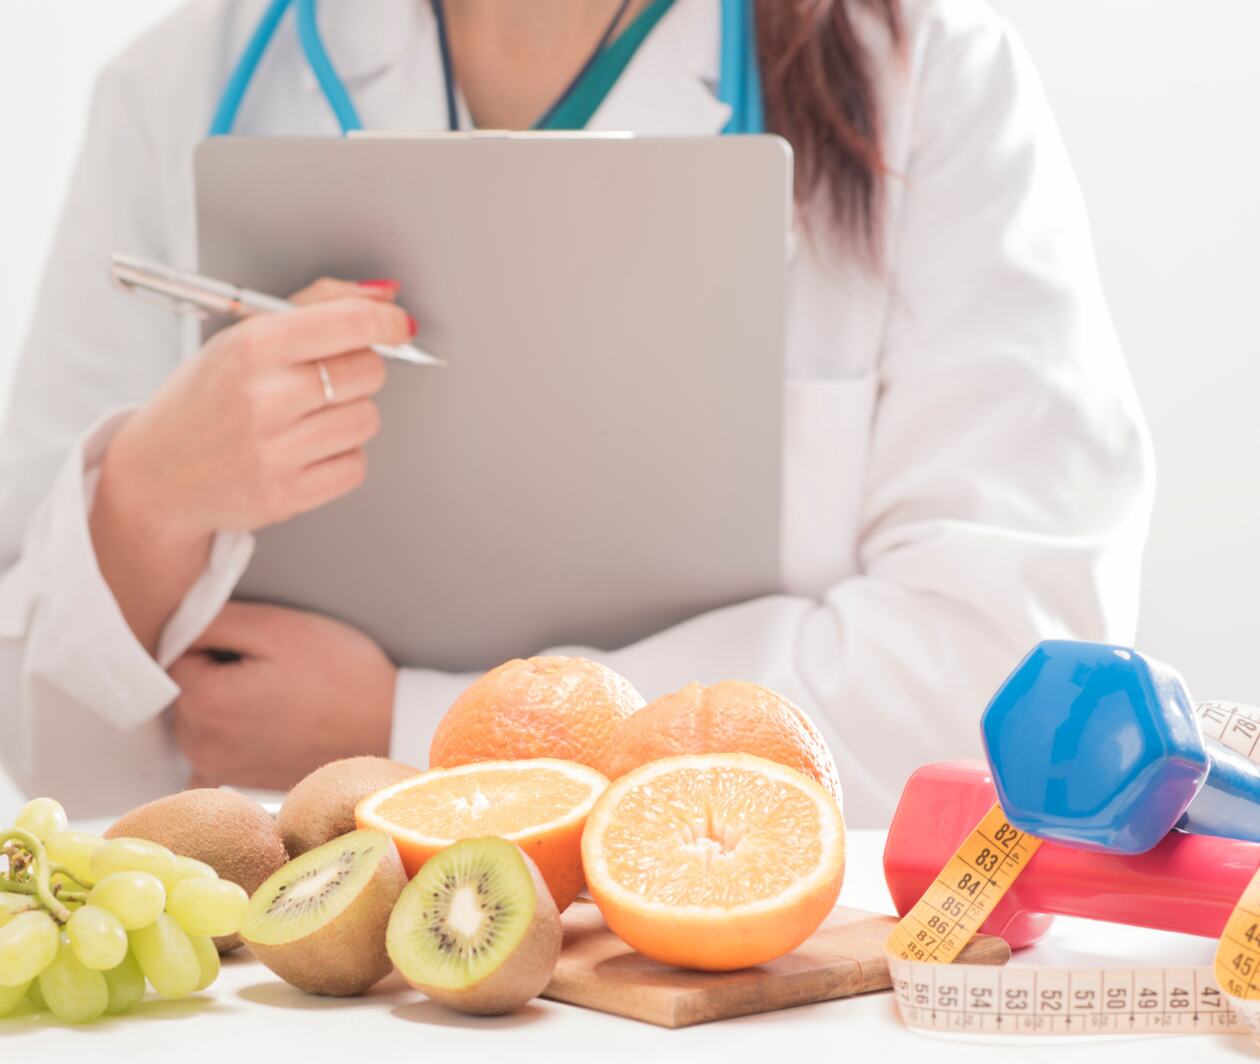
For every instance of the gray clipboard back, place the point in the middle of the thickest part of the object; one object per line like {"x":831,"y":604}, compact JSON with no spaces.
{"x":601,"y":458}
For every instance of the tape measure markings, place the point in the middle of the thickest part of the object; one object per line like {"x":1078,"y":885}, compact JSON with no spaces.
{"x":1237,"y":964}
{"x":1232,"y":724}
{"x":932,"y":993}
{"x":980,"y":998}
{"x":960,"y":899}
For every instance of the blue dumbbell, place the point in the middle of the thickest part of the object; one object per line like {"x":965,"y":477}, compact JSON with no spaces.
{"x":1097,"y":747}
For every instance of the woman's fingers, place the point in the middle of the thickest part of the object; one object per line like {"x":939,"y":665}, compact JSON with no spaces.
{"x":382,"y":289}
{"x":340,"y":428}
{"x":323,"y":330}
{"x":352,"y":376}
{"x":330,"y":479}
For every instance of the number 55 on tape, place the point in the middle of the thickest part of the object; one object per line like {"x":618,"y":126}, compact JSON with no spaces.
{"x":932,"y":993}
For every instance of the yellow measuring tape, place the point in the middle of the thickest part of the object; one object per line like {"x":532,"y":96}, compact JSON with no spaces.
{"x":932,"y":993}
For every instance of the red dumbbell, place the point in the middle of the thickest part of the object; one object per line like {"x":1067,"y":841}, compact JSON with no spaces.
{"x":1187,"y":883}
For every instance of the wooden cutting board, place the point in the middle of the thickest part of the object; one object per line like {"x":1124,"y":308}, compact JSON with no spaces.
{"x":844,"y":956}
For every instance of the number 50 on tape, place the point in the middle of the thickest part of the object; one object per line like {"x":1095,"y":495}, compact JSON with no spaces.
{"x":934,"y":993}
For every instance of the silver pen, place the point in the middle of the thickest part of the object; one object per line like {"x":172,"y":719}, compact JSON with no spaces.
{"x":184,"y":289}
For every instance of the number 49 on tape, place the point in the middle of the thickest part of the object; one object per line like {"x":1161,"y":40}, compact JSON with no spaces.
{"x":934,"y":993}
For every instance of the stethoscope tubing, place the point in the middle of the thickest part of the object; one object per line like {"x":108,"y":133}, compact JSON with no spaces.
{"x":739,"y":74}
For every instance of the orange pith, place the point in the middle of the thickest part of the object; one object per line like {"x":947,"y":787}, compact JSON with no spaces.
{"x":496,"y":801}
{"x":731,"y":853}
{"x":714,"y":861}
{"x":539,"y":804}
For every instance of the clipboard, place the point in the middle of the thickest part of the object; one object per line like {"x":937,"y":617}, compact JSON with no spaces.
{"x":601,"y":457}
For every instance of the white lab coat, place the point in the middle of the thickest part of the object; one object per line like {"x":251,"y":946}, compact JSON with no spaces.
{"x":966,"y":469}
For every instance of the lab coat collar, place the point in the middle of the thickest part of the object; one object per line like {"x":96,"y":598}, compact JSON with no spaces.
{"x":362,"y":45}
{"x":670,"y":86}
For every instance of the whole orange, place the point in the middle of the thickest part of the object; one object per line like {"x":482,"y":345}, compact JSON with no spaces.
{"x":731,"y":717}
{"x":566,"y":708}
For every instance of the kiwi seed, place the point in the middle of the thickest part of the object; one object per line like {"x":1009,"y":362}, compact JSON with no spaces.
{"x":477,"y":929}
{"x":319,"y":922}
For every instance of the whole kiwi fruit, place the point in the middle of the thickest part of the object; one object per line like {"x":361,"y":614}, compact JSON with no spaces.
{"x":319,"y":922}
{"x":233,"y":834}
{"x":477,"y":929}
{"x":321,"y":807}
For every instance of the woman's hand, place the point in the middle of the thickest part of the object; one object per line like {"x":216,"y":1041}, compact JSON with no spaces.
{"x":241,"y":436}
{"x":270,"y":694}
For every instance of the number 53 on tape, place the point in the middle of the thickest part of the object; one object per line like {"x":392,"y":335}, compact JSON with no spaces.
{"x":934,"y":993}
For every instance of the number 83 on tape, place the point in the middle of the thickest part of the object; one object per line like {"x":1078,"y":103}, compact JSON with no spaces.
{"x":932,"y":993}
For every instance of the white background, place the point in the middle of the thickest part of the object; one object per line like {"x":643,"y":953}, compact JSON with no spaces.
{"x":1159,"y":101}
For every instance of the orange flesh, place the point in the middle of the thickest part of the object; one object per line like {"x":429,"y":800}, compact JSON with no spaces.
{"x":716,"y":837}
{"x":490,"y":802}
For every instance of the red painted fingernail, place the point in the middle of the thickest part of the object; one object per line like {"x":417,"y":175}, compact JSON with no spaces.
{"x":379,"y":282}
{"x":412,"y":328}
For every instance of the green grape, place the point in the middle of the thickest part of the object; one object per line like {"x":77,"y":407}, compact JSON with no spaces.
{"x":136,"y":898}
{"x":191,"y":868}
{"x":167,"y":957}
{"x":74,"y":850}
{"x":97,"y":937}
{"x":72,"y":991}
{"x":12,"y":996}
{"x":59,"y":881}
{"x":34,"y":996}
{"x":12,"y":904}
{"x":42,"y":817}
{"x":208,"y":906}
{"x":208,"y":957}
{"x":126,"y":986}
{"x":134,"y":855}
{"x":28,"y":944}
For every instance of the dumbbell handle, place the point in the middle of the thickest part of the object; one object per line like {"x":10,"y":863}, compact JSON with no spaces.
{"x":1228,"y":803}
{"x":1187,"y":883}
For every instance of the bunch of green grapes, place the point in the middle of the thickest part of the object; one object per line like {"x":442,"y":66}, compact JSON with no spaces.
{"x":85,"y":921}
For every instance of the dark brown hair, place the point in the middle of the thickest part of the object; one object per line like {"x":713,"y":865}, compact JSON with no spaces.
{"x":820,"y":95}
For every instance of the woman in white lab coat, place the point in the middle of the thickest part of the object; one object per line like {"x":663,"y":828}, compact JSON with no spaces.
{"x":965,"y":466}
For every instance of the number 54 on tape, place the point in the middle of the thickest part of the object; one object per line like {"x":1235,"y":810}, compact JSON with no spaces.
{"x":934,"y":993}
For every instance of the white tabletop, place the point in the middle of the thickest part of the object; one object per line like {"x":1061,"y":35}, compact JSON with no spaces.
{"x":250,"y":1015}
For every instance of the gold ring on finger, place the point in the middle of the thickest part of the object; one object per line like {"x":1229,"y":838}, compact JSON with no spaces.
{"x":325,"y":381}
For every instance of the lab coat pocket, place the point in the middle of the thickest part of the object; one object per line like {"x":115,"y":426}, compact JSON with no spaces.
{"x":826,"y":440}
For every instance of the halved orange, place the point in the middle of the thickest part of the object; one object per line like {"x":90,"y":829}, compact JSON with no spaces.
{"x":714,"y":861}
{"x":540,"y":804}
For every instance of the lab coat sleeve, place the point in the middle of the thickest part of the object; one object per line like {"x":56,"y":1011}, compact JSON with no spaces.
{"x":1009,"y":482}
{"x":83,"y":699}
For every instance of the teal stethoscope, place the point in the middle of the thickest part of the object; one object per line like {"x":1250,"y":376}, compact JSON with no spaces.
{"x":739,"y":79}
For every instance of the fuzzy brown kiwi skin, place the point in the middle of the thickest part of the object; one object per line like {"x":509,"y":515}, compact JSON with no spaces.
{"x":523,"y":975}
{"x":233,"y":834}
{"x":347,"y":955}
{"x":321,"y":807}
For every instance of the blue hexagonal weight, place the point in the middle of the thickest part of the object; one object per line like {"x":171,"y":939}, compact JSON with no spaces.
{"x":1097,"y":746}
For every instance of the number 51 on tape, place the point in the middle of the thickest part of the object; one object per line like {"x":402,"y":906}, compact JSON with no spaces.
{"x":934,"y":993}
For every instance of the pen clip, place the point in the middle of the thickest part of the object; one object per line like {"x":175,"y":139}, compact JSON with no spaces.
{"x":178,"y":306}
{"x":124,"y":275}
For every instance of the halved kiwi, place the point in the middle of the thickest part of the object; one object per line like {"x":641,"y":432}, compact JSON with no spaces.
{"x":319,"y":922}
{"x":477,"y":928}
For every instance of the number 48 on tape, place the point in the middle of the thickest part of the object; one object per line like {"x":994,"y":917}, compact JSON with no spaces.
{"x":933,"y":993}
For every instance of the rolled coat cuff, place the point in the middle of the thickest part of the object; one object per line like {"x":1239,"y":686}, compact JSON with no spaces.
{"x":421,"y":697}
{"x":76,"y":636}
